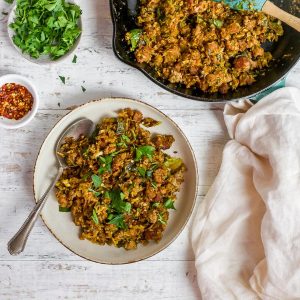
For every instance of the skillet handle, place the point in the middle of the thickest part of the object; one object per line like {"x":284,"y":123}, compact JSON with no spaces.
{"x":272,"y":10}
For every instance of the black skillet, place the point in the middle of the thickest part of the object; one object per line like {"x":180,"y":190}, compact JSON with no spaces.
{"x":286,"y":53}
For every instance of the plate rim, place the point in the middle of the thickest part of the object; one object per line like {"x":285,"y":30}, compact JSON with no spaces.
{"x":193,"y":158}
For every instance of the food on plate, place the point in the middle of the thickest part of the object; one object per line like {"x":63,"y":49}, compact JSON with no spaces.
{"x":15,"y":101}
{"x":120,"y":184}
{"x":46,"y":27}
{"x":203,"y":44}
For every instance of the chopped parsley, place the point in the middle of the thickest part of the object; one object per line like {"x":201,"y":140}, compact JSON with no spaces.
{"x":74,"y":60}
{"x":46,"y":27}
{"x":95,"y":217}
{"x":96,"y":181}
{"x":169,"y":204}
{"x":63,"y":79}
{"x":144,"y":151}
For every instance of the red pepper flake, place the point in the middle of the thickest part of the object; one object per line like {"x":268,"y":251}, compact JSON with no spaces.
{"x":15,"y":101}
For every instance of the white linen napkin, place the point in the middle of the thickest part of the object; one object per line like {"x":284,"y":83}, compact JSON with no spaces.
{"x":246,"y":234}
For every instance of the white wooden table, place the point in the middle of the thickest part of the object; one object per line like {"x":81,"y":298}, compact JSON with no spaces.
{"x":47,"y":270}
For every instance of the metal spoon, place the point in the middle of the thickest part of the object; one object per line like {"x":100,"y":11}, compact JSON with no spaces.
{"x":81,"y":127}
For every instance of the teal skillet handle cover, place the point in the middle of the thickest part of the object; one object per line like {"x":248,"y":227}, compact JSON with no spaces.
{"x":244,"y":4}
{"x":274,"y":87}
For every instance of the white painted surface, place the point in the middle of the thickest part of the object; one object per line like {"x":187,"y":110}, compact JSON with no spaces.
{"x":46,"y":270}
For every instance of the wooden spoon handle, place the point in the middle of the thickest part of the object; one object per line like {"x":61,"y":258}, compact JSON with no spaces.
{"x":272,"y":10}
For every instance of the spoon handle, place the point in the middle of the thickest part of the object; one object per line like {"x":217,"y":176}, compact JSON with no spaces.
{"x":17,"y":243}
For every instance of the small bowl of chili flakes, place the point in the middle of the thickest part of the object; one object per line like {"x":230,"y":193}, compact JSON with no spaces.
{"x":18,"y":101}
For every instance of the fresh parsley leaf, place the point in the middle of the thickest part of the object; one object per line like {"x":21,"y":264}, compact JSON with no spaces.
{"x":96,"y":180}
{"x":155,"y":204}
{"x":63,"y":79}
{"x":64,"y":209}
{"x":169,"y":204}
{"x":127,"y":207}
{"x":118,"y":221}
{"x":125,"y":138}
{"x":105,"y":163}
{"x":142,"y":171}
{"x":118,"y":203}
{"x":95,"y":217}
{"x":74,"y":60}
{"x":9,"y":1}
{"x":161,"y":219}
{"x":96,"y":194}
{"x":218,"y":23}
{"x":133,"y":38}
{"x":83,"y":89}
{"x":46,"y":27}
{"x":144,"y":151}
{"x":154,"y":184}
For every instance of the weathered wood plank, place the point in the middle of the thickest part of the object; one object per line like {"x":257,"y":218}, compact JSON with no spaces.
{"x":86,"y":280}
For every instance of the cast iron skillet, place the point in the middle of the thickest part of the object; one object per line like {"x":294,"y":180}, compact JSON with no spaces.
{"x":286,"y":53}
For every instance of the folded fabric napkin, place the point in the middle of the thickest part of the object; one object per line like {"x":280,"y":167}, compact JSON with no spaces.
{"x":246,"y":234}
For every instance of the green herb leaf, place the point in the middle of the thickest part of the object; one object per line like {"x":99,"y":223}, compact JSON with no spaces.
{"x":134,"y":37}
{"x":144,"y":151}
{"x":95,"y":217}
{"x":169,"y":204}
{"x":118,"y":221}
{"x":63,"y":79}
{"x":45,"y":27}
{"x":83,"y":89}
{"x":155,"y":204}
{"x":96,"y":194}
{"x":161,"y":219}
{"x":118,"y":203}
{"x":142,"y":171}
{"x":9,"y":1}
{"x":74,"y":60}
{"x":64,"y":209}
{"x":96,"y":180}
{"x":125,"y":138}
{"x":218,"y":23}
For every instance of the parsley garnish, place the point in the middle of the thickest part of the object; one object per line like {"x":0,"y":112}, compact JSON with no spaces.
{"x":105,"y":164}
{"x":96,"y":180}
{"x":144,"y":151}
{"x":96,"y":194}
{"x":64,"y":209}
{"x":169,"y":204}
{"x":142,"y":171}
{"x":134,"y":37}
{"x":9,"y":1}
{"x":74,"y":60}
{"x":218,"y":23}
{"x":63,"y":79}
{"x":161,"y":219}
{"x":118,"y":221}
{"x":95,"y":217}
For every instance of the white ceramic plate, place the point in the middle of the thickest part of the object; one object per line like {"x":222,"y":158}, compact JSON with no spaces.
{"x":45,"y":58}
{"x":61,"y":224}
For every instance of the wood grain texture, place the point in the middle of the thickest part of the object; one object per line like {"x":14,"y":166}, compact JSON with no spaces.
{"x":47,"y":270}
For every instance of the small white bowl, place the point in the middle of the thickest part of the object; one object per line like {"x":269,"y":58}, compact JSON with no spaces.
{"x":43,"y":59}
{"x":14,"y":78}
